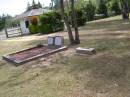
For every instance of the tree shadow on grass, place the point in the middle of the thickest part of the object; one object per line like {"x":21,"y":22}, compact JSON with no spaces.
{"x":114,"y":25}
{"x":105,"y":71}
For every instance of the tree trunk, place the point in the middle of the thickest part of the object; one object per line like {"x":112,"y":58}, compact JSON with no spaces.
{"x":125,"y":9}
{"x":77,"y":40}
{"x":71,"y":38}
{"x":52,"y":2}
{"x":68,"y":9}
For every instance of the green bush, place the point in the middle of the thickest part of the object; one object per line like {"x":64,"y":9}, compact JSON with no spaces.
{"x":33,"y":29}
{"x":80,"y":17}
{"x":44,"y":29}
{"x":51,"y":22}
{"x":102,"y":9}
{"x":2,"y":22}
{"x":90,"y":11}
{"x":116,"y":8}
{"x":34,"y":21}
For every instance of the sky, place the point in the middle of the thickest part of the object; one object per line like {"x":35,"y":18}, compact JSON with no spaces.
{"x":16,"y":7}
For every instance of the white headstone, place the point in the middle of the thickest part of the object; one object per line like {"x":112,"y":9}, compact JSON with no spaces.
{"x":58,"y":41}
{"x":50,"y":40}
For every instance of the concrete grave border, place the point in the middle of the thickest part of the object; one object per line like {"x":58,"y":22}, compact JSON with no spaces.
{"x":19,"y":62}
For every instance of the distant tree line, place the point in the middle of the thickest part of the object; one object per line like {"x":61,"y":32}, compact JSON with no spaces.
{"x":96,"y":9}
{"x":34,"y":5}
{"x":2,"y":22}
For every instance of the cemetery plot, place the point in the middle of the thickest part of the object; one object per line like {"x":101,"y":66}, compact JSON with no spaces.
{"x":32,"y":53}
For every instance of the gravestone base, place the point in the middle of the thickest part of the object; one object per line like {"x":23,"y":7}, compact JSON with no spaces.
{"x":85,"y":51}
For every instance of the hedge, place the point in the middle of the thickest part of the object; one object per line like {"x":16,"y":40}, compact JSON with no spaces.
{"x":49,"y":23}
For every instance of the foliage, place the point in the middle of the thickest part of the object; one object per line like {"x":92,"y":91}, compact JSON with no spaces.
{"x":5,"y":20}
{"x":52,"y":20}
{"x":44,"y":29}
{"x":90,"y":11}
{"x":2,"y":22}
{"x":34,"y":5}
{"x":102,"y":9}
{"x":81,"y":19}
{"x":79,"y":4}
{"x":34,"y":21}
{"x":114,"y":6}
{"x":33,"y":29}
{"x":49,"y":22}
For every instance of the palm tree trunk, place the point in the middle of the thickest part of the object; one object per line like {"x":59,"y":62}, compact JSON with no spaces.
{"x":125,"y":9}
{"x":77,"y":40}
{"x":70,"y":34}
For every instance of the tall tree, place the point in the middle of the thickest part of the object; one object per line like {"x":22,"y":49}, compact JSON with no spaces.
{"x":39,"y":5}
{"x":70,"y":34}
{"x":77,"y":40}
{"x":125,"y":9}
{"x":33,"y":3}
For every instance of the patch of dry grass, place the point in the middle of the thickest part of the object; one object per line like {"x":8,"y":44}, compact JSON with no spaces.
{"x":66,"y":74}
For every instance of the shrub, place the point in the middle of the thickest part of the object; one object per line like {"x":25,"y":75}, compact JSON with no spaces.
{"x":102,"y":9}
{"x":81,"y":19}
{"x":33,"y":29}
{"x":116,"y":8}
{"x":90,"y":11}
{"x":51,"y":22}
{"x":34,"y":21}
{"x":44,"y":29}
{"x":2,"y":22}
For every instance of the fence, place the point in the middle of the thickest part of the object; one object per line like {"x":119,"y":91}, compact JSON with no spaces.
{"x":13,"y":32}
{"x":10,"y":32}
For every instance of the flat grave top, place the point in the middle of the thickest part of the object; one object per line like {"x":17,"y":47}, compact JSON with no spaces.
{"x":32,"y":53}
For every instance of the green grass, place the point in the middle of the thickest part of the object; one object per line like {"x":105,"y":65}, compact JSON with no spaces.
{"x":66,"y":74}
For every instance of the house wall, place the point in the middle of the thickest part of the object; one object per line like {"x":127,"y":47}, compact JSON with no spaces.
{"x":23,"y":27}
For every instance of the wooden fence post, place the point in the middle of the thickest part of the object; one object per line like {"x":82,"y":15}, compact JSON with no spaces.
{"x":6,"y":33}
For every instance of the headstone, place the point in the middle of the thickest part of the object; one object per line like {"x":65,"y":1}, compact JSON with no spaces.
{"x":88,"y":51}
{"x":51,"y":40}
{"x":58,"y":41}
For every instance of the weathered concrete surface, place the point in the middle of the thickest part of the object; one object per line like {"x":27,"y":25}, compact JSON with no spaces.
{"x":88,"y":51}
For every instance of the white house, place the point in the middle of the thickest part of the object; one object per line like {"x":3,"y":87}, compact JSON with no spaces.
{"x":25,"y":18}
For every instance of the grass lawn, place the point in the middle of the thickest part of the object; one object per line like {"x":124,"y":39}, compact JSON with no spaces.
{"x":66,"y":74}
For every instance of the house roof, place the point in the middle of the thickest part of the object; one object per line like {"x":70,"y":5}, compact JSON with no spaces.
{"x":33,"y":12}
